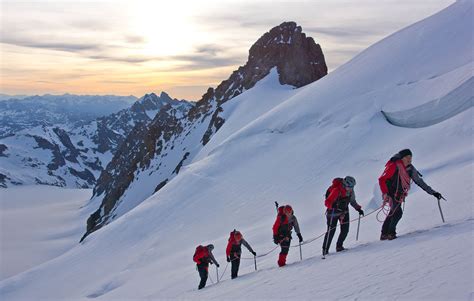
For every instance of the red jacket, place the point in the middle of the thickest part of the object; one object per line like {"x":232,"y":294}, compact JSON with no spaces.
{"x":390,"y":169}
{"x":336,"y":190}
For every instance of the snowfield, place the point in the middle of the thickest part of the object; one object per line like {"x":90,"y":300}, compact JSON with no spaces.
{"x":289,"y":152}
{"x":37,"y":224}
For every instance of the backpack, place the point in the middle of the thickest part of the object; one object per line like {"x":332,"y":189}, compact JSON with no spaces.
{"x":200,"y":253}
{"x":335,"y":182}
{"x":232,"y":239}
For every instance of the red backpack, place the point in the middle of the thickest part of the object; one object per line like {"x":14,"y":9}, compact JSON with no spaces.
{"x":200,"y":253}
{"x":336,"y":183}
{"x":232,"y":238}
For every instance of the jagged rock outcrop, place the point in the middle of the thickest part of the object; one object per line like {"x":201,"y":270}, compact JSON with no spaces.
{"x":156,"y":153}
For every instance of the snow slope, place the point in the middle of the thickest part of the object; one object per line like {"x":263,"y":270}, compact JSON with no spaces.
{"x":38,"y":223}
{"x":290,"y":153}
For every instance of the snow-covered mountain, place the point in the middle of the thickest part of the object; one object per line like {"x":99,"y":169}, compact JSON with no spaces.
{"x":153,"y":155}
{"x":17,"y":114}
{"x":73,"y":155}
{"x":289,"y":150}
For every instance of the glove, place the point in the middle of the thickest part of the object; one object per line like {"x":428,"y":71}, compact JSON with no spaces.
{"x":217,"y":265}
{"x":437,"y":195}
{"x":300,"y":237}
{"x":276,"y":239}
{"x":254,"y":253}
{"x":361,"y":212}
{"x":228,"y":259}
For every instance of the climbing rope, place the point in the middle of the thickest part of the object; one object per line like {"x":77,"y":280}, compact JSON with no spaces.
{"x":385,"y":209}
{"x":378,"y":210}
{"x":209,"y":276}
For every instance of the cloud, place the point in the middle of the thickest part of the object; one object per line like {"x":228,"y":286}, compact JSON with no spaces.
{"x":209,"y":49}
{"x":347,"y":32}
{"x":52,"y":45}
{"x":189,"y":62}
{"x":122,"y":59}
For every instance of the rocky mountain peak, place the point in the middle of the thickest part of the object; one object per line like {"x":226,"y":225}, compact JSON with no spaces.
{"x":164,"y":96}
{"x":298,"y":58}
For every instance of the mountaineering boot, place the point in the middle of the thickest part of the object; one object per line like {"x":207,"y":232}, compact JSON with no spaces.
{"x":383,"y":236}
{"x":340,"y":248}
{"x":392,"y":236}
{"x":282,"y":260}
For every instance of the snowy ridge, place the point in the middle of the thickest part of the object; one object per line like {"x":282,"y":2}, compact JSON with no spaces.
{"x":290,"y":153}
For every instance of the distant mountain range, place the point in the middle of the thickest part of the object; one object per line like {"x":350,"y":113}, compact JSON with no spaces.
{"x":17,"y":114}
{"x":68,"y":140}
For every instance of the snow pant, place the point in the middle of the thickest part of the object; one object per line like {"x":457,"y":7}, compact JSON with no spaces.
{"x":332,"y":218}
{"x":203,"y":273}
{"x":390,"y":224}
{"x":285,"y":247}
{"x":235,"y":263}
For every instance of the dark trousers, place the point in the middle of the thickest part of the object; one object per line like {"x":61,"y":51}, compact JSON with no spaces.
{"x":285,"y":246}
{"x":390,"y":224}
{"x":235,"y":263}
{"x":332,"y":219}
{"x":203,"y":273}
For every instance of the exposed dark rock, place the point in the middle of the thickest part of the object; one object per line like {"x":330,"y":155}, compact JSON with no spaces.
{"x":58,"y":159}
{"x":180,"y":164}
{"x":3,"y":179}
{"x":71,"y":152}
{"x":86,"y":175}
{"x":161,"y":185}
{"x":3,"y":148}
{"x":135,"y":154}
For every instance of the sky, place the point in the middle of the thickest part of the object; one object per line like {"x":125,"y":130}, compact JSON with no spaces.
{"x":178,"y":46}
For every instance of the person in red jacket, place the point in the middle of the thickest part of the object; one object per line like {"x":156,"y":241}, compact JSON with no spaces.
{"x":395,"y":184}
{"x":234,"y":250}
{"x":338,"y":197}
{"x":282,"y":227}
{"x":202,"y":257}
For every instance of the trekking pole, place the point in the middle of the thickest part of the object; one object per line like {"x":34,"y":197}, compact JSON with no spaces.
{"x":217,"y":273}
{"x":358,"y":226}
{"x":255,"y":261}
{"x":301,"y":253}
{"x":441,"y":211}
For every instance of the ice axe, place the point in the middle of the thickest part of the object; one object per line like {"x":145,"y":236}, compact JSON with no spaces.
{"x":439,"y":206}
{"x":358,"y":226}
{"x":301,"y":253}
{"x":276,"y":205}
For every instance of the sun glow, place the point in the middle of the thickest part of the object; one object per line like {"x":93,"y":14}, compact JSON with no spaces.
{"x":166,"y":27}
